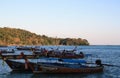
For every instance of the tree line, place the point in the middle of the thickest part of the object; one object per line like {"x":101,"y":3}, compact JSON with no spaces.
{"x":14,"y":36}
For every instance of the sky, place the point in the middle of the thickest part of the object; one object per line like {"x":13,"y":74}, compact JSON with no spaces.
{"x":98,"y":21}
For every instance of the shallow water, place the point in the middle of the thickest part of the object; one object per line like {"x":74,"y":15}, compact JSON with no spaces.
{"x":108,"y":54}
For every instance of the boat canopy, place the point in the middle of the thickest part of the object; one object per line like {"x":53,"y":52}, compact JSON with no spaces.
{"x":74,"y":60}
{"x":66,"y":60}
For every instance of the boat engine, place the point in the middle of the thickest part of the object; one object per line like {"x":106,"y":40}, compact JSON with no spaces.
{"x":98,"y":62}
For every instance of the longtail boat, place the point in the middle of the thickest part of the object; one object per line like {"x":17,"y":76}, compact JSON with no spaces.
{"x":41,"y":52}
{"x":61,"y":66}
{"x":59,"y":54}
{"x":5,"y":51}
{"x":44,"y":68}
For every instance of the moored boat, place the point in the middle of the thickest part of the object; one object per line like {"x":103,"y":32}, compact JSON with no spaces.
{"x":64,"y":69}
{"x":60,"y":66}
{"x":59,"y":54}
{"x":53,"y":67}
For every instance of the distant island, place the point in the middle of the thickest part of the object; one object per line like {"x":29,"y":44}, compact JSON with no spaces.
{"x":14,"y":36}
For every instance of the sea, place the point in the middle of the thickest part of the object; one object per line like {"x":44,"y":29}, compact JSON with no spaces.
{"x":109,"y":54}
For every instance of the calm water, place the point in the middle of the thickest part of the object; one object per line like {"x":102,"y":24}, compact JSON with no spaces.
{"x":108,"y":54}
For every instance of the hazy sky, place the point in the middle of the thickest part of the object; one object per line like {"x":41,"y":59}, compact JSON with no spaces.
{"x":98,"y":21}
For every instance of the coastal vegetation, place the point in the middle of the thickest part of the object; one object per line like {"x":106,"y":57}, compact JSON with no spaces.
{"x":14,"y":36}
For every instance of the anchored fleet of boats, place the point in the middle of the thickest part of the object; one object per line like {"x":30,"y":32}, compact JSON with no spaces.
{"x":42,"y":60}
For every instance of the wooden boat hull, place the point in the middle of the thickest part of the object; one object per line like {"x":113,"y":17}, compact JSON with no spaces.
{"x":12,"y":56}
{"x":88,"y":70}
{"x":52,"y":68}
{"x":58,"y":55}
{"x":17,"y":66}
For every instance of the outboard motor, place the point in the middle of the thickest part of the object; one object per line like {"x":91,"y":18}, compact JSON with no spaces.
{"x":60,"y":60}
{"x":98,"y":62}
